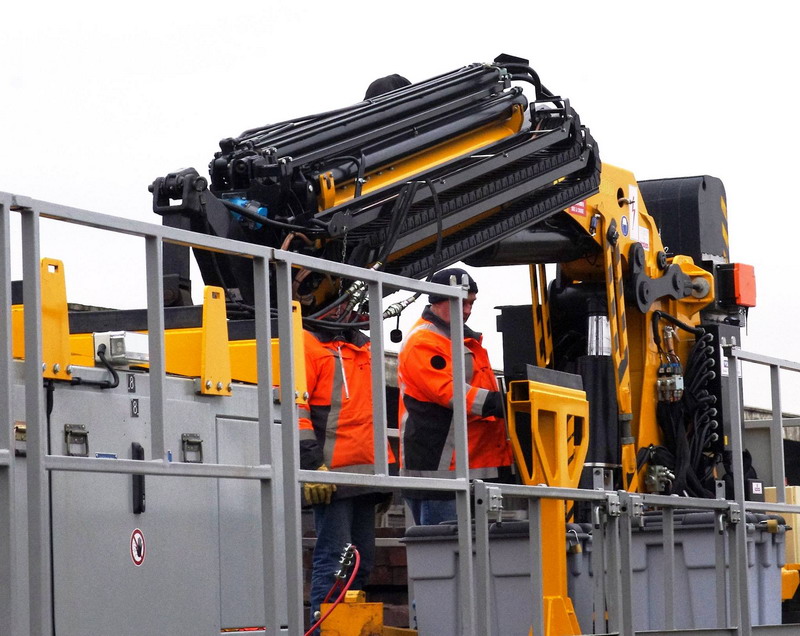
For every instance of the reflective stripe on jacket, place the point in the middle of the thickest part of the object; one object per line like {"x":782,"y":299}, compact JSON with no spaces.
{"x":425,"y":376}
{"x":336,"y":428}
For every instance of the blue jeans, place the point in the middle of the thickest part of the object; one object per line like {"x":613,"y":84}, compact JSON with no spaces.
{"x":431,"y":512}
{"x":343,"y":521}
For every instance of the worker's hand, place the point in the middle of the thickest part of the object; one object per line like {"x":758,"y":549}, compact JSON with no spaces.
{"x":319,"y":493}
{"x":493,"y":406}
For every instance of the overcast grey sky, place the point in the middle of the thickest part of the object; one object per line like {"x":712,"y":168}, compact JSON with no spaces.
{"x":98,"y":99}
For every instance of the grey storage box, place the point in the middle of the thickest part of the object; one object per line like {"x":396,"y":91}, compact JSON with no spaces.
{"x":433,"y":563}
{"x":433,"y":573}
{"x":695,"y":571}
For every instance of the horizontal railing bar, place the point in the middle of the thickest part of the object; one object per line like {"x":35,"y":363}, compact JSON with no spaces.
{"x":549,"y":492}
{"x":155,"y":467}
{"x":667,"y":501}
{"x":383,"y":481}
{"x":788,"y":422}
{"x":758,"y":506}
{"x":244,"y":249}
{"x":360,"y":273}
{"x":748,"y":356}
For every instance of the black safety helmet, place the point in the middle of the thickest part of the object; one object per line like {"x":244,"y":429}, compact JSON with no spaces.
{"x":443,"y":278}
{"x":385,"y":84}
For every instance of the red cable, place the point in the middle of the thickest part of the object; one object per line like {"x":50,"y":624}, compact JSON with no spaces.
{"x":341,"y":595}
{"x":335,"y":585}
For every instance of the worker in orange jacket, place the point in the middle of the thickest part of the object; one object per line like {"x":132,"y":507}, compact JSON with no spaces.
{"x":336,"y":433}
{"x":425,"y":376}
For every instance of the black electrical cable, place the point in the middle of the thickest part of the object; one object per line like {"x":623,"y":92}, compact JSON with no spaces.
{"x":101,"y":353}
{"x":660,"y":315}
{"x":103,"y":384}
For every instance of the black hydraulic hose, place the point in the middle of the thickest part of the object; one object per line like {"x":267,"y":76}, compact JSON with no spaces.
{"x":532,"y":77}
{"x":473,"y":82}
{"x":399,"y":212}
{"x":257,"y":218}
{"x":437,"y":208}
{"x":661,"y":315}
{"x":290,"y":122}
{"x":698,"y":359}
{"x":330,"y":325}
{"x":342,"y":298}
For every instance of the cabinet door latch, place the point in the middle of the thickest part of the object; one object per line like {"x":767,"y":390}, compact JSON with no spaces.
{"x":76,"y":440}
{"x":192,"y":447}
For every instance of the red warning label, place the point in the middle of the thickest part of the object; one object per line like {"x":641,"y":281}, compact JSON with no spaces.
{"x":579,"y":209}
{"x":137,"y":547}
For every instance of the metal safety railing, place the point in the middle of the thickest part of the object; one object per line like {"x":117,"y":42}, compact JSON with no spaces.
{"x":615,"y":514}
{"x":279,"y":503}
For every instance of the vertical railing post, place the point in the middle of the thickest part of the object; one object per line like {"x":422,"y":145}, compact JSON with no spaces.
{"x":155,"y":332}
{"x":668,"y":543}
{"x":626,"y":572}
{"x":8,"y":513}
{"x":599,"y":571}
{"x":268,"y":442}
{"x":614,"y":591}
{"x":466,"y":578}
{"x":721,"y":570}
{"x":776,"y":434}
{"x":38,"y":483}
{"x":290,"y":451}
{"x":483,"y":588}
{"x":739,"y":587}
{"x":379,"y":418}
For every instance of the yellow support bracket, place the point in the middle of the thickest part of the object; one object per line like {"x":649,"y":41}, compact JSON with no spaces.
{"x":215,"y":357}
{"x":554,"y":421}
{"x":353,"y":617}
{"x":54,"y":323}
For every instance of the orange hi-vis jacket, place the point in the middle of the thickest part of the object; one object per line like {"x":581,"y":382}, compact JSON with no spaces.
{"x":336,"y":427}
{"x":425,"y":376}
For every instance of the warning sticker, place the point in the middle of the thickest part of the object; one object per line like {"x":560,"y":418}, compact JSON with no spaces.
{"x":137,"y":547}
{"x":579,"y":209}
{"x":638,"y":232}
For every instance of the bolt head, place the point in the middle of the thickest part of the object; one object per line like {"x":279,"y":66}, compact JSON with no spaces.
{"x":208,"y":384}
{"x":219,"y":386}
